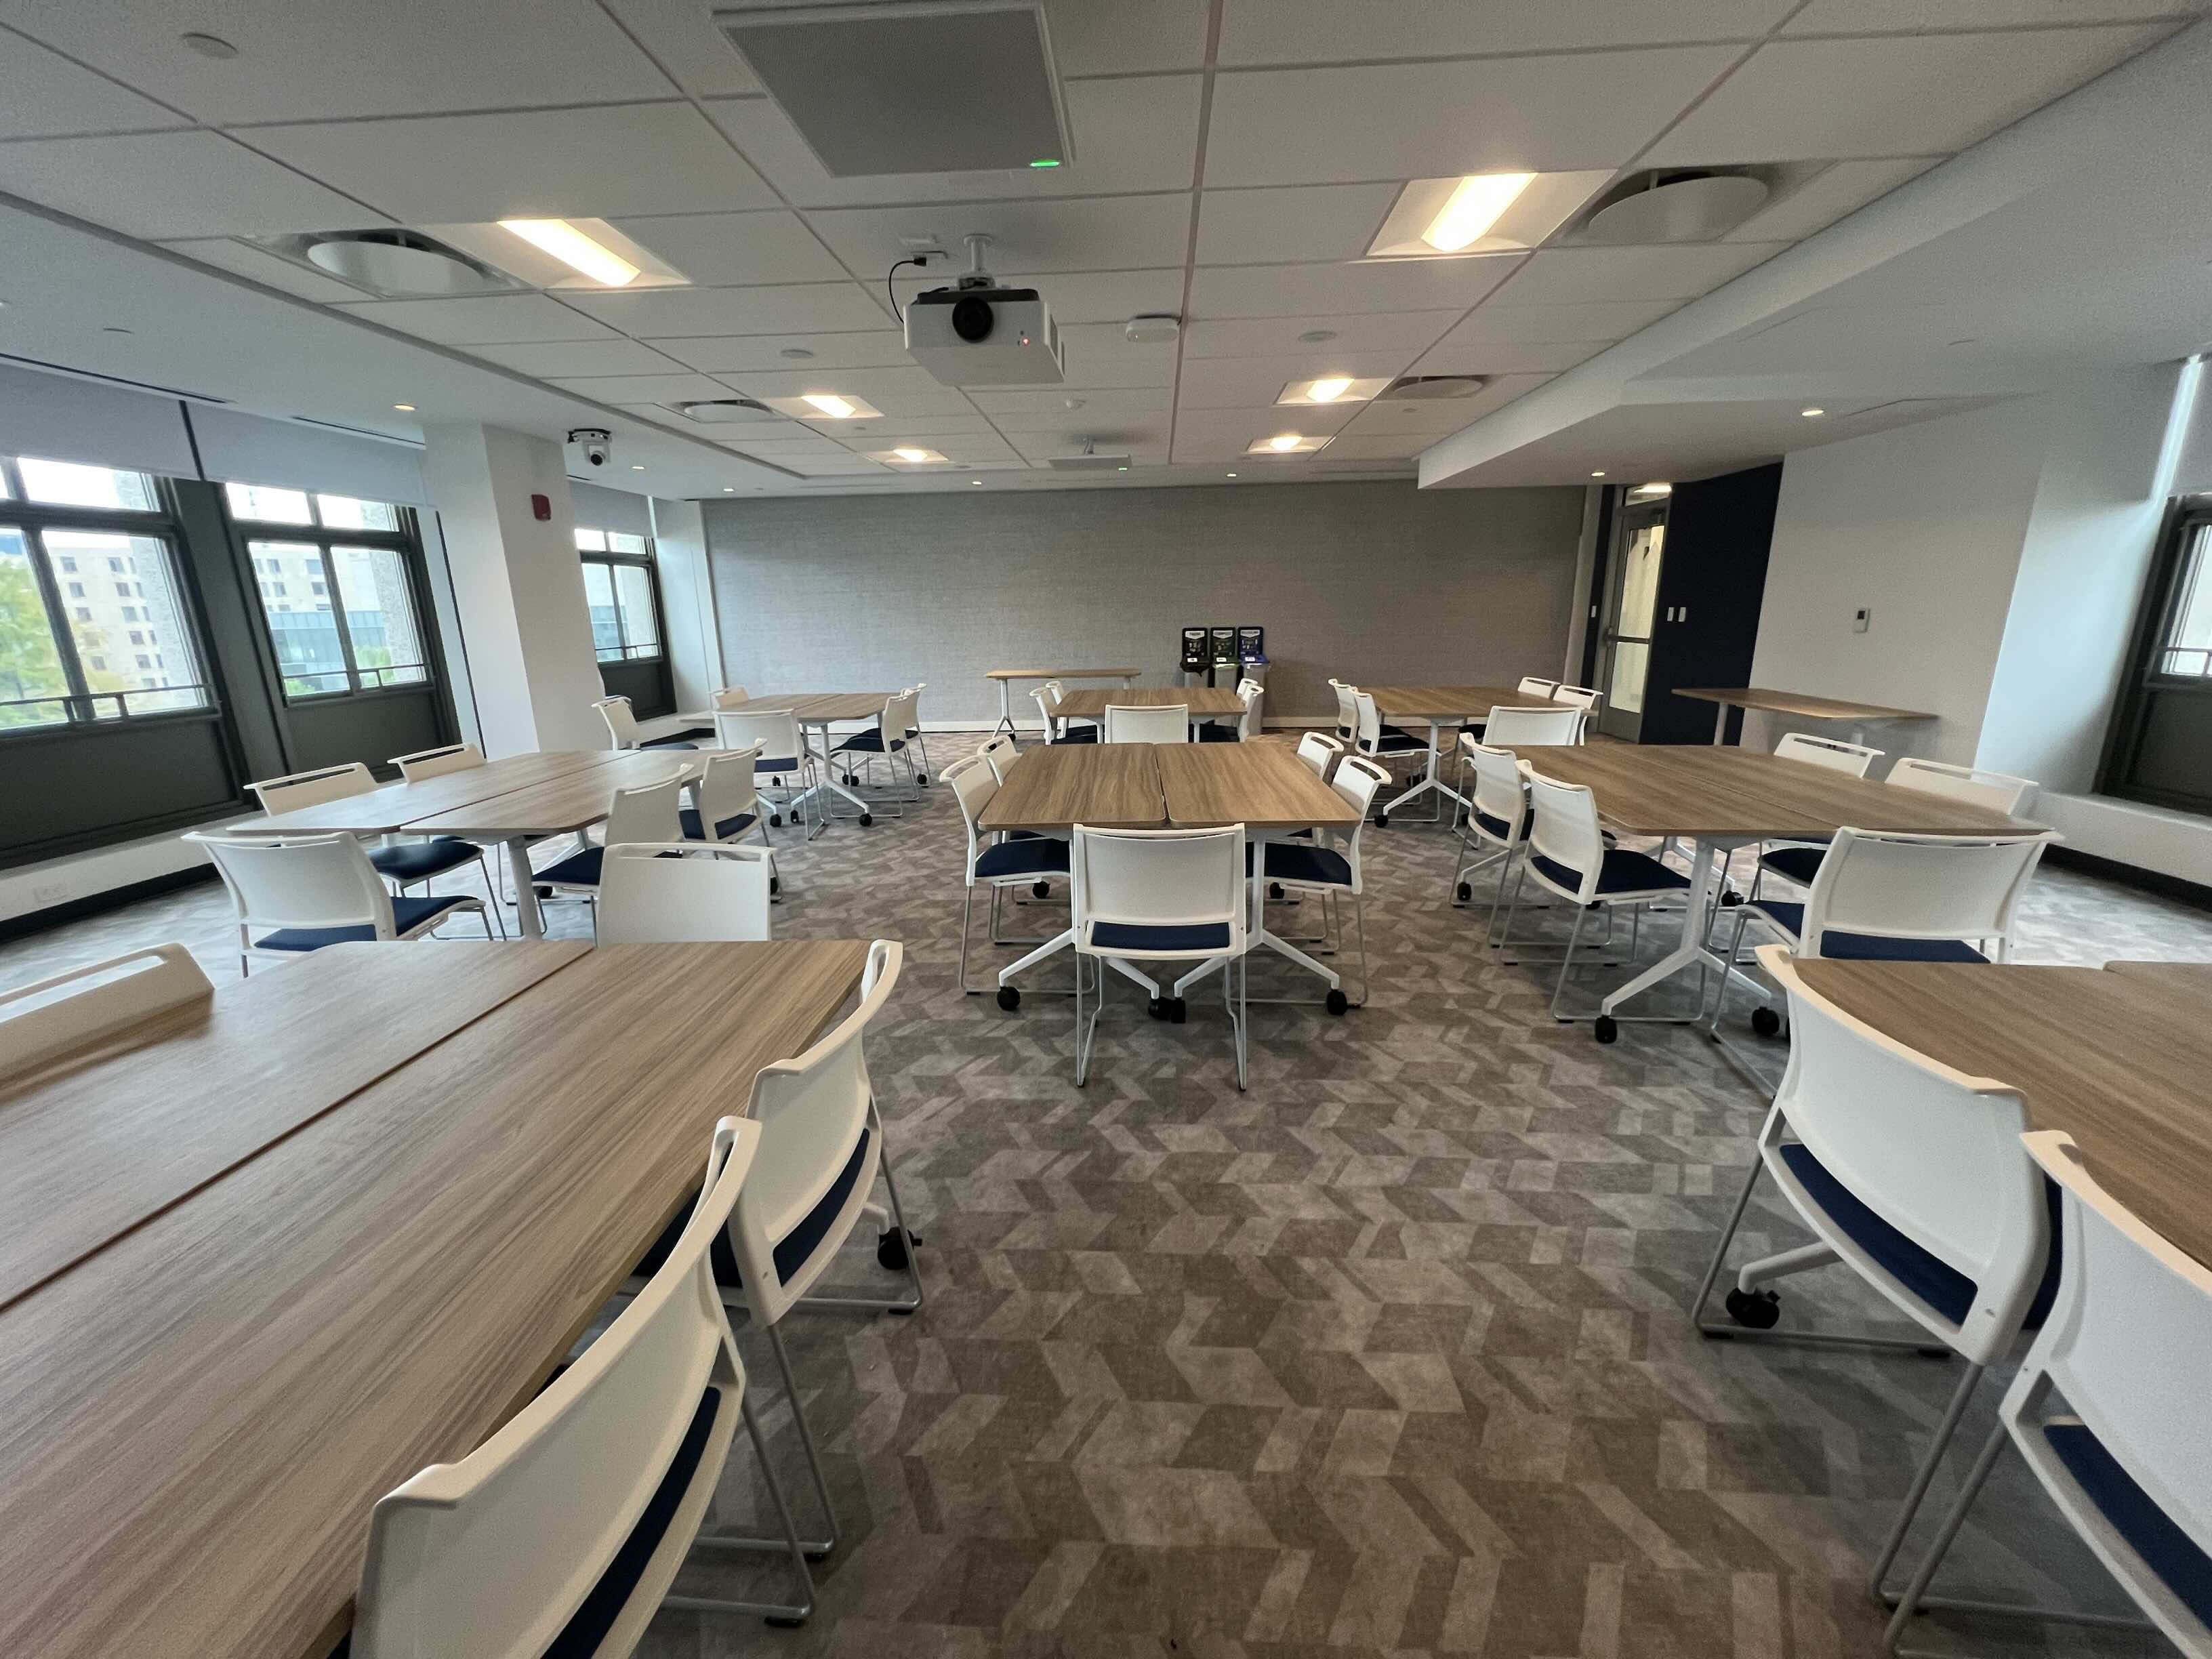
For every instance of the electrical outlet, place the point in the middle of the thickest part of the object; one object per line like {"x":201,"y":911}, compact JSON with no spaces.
{"x":44,"y":893}
{"x":1859,"y":619}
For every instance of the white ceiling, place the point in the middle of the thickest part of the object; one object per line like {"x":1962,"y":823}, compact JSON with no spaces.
{"x":1232,"y":159}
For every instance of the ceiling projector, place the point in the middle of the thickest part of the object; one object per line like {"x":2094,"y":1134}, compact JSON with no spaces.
{"x":977,"y":333}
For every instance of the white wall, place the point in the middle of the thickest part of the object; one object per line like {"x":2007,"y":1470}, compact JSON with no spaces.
{"x":687,"y":603}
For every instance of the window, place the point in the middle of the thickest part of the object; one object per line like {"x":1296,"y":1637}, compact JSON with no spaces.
{"x":2160,"y":749}
{"x":54,"y":667}
{"x":619,"y":592}
{"x":358,"y":630}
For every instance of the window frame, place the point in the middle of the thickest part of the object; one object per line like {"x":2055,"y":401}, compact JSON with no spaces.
{"x":405,"y":541}
{"x":160,"y":523}
{"x":2143,"y":678}
{"x":644,"y":561}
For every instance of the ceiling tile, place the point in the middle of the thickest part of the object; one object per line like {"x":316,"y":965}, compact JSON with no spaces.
{"x":1294,"y":223}
{"x":43,"y":94}
{"x":1507,"y":357}
{"x":1353,"y":447}
{"x":649,"y":389}
{"x":1412,"y":120}
{"x":1911,"y":16}
{"x":831,"y":466}
{"x":997,"y":400}
{"x":493,"y":319}
{"x":1495,"y":321}
{"x":245,"y":259}
{"x":1129,"y":37}
{"x":1374,"y":285}
{"x":1329,"y":31}
{"x":1103,"y":355}
{"x":1256,"y":382}
{"x":1828,"y":196}
{"x":730,"y":249}
{"x":898,"y":392}
{"x":1119,"y":233}
{"x":159,"y":185}
{"x":896,"y":428}
{"x":1129,"y":136}
{"x":868,"y":349}
{"x":1573,"y":276}
{"x":681,"y":36}
{"x":1243,"y":426}
{"x":1443,"y":416}
{"x":607,"y":163}
{"x":1260,"y":337}
{"x":1141,"y":440}
{"x":675,"y":312}
{"x":576,"y":357}
{"x":1914,"y":96}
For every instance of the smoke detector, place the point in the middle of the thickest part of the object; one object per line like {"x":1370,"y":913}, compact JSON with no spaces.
{"x":399,"y":262}
{"x":1678,"y":204}
{"x":727,"y":411}
{"x":1090,"y":461}
{"x":1153,"y":330}
{"x":1431,"y":388}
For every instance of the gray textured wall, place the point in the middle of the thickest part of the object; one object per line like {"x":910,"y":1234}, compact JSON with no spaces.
{"x":1379,"y":582}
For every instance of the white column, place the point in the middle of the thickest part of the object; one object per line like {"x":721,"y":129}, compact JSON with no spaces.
{"x":518,"y":586}
{"x":687,"y":595}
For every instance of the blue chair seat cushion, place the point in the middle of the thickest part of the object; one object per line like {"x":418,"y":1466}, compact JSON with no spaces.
{"x":1797,"y":864}
{"x":1318,"y":866}
{"x":2163,"y":1547}
{"x":793,"y":1251}
{"x":418,"y":860}
{"x":1079,"y":734}
{"x":1623,"y":871}
{"x":578,"y":869}
{"x":1788,"y":917}
{"x":1394,"y":742}
{"x":788,"y":763}
{"x":1039,"y":855}
{"x":689,"y":816}
{"x":1214,"y":732}
{"x":1203,"y":938}
{"x":407,"y":915}
{"x":1499,"y":827}
{"x":870,"y":742}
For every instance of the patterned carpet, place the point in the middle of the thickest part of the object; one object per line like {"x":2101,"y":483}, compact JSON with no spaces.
{"x":1387,"y":1356}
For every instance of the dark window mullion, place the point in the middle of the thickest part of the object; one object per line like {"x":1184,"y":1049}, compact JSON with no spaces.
{"x":338,"y":611}
{"x":79,"y":707}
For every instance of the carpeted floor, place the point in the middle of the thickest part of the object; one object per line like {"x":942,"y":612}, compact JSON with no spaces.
{"x":1390,"y":1355}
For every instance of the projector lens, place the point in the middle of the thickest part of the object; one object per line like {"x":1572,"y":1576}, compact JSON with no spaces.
{"x":971,"y":320}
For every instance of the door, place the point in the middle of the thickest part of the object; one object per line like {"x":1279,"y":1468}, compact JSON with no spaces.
{"x":1640,"y":545}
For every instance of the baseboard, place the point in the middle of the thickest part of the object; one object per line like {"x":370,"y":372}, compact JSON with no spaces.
{"x":2193,"y":894}
{"x":94,"y":904}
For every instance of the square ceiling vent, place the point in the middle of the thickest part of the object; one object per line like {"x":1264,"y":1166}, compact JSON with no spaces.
{"x":911,"y":86}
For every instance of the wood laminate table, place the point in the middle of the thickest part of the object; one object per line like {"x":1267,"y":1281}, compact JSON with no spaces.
{"x":1719,"y":797}
{"x":1442,"y":709}
{"x":1007,"y":676}
{"x":1114,"y":786}
{"x":195,"y":1419}
{"x":816,"y":711}
{"x":2190,"y":978}
{"x":1749,"y":697}
{"x":1202,"y":701}
{"x":2116,"y":1059}
{"x":387,"y":811}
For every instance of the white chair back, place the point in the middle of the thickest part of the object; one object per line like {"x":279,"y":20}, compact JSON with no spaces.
{"x":707,"y":894}
{"x":1565,"y":831}
{"x":437,"y":762}
{"x":1048,"y":708}
{"x":974,"y":781}
{"x":733,"y":696}
{"x":914,"y":709}
{"x":899,"y":716}
{"x":1998,"y":792}
{"x":311,"y":788}
{"x":1366,"y":723}
{"x":1530,"y":686}
{"x":726,"y":789}
{"x":2124,"y":1346}
{"x":1127,"y":724}
{"x":771,"y":733}
{"x":490,"y":1556}
{"x":88,"y":1005}
{"x":1584,"y":697}
{"x":622,"y":724}
{"x":1356,"y":779}
{"x":1941,"y":887}
{"x":813,"y":1111}
{"x":299,"y":881}
{"x":1933,"y":1153}
{"x":1317,"y":749}
{"x":1158,"y":879}
{"x":1558,"y":727}
{"x":648,"y":812}
{"x":1248,"y":722}
{"x":1501,"y":793}
{"x":1347,"y":710}
{"x":1830,"y":752}
{"x":999,"y":754}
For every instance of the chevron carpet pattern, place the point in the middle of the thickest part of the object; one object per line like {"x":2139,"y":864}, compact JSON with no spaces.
{"x":1389,"y":1355}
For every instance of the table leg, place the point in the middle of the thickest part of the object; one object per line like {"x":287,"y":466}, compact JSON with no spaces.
{"x":527,"y":912}
{"x":1693,"y":952}
{"x":1720,"y":725}
{"x":1431,"y":778}
{"x":827,"y":777}
{"x":1257,"y":934}
{"x":1005,"y":710}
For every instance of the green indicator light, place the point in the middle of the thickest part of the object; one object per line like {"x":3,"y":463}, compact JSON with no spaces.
{"x":1046,"y":161}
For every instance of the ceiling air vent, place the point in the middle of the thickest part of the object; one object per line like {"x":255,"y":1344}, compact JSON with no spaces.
{"x":727,"y":411}
{"x":1678,"y":204}
{"x":399,"y":262}
{"x":1430,"y":388}
{"x":912,"y":86}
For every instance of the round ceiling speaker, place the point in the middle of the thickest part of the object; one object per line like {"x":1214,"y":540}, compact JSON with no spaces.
{"x":1678,"y":207}
{"x":728,"y":411}
{"x":1430,"y":388}
{"x":398,"y":262}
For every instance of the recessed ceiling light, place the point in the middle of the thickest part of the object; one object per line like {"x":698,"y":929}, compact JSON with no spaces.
{"x":1480,"y":202}
{"x":1813,"y":414}
{"x":975,"y":481}
{"x":1284,"y":441}
{"x":1653,"y":490}
{"x":1230,"y":474}
{"x":797,"y":354}
{"x":1329,"y":390}
{"x":828,"y":404}
{"x":1332,"y":388}
{"x":1287,"y":443}
{"x":1121,"y":469}
{"x":637,"y":466}
{"x":405,"y":409}
{"x":1597,"y":475}
{"x":210,"y":45}
{"x":572,"y":248}
{"x":729,"y":489}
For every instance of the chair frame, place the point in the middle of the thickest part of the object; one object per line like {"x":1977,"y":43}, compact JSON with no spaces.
{"x":1123,"y":718}
{"x":897,"y":743}
{"x":621,"y":855}
{"x":376,"y":914}
{"x":798,"y":786}
{"x":1366,"y":779}
{"x":1585,"y":899}
{"x":979,"y":843}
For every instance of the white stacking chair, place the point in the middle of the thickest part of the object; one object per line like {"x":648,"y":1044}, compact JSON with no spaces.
{"x":1910,"y":1173}
{"x":1213,"y":731}
{"x":1797,"y":861}
{"x":1851,"y":758}
{"x":1567,"y":855}
{"x":1561,"y":726}
{"x":728,"y":804}
{"x":88,"y":1004}
{"x":309,"y":891}
{"x":1498,"y":819}
{"x":1328,"y":864}
{"x":1530,"y":686}
{"x":403,"y":863}
{"x":1126,"y":723}
{"x":437,"y":762}
{"x":996,"y":864}
{"x":1159,"y":895}
{"x":1057,"y":727}
{"x":647,"y":813}
{"x":886,"y":740}
{"x":1319,"y":750}
{"x":1347,"y":710}
{"x":1971,"y":786}
{"x":733,"y":696}
{"x":563,"y":1531}
{"x":623,"y":727}
{"x":2109,"y":1411}
{"x":1584,"y":697}
{"x":914,"y":736}
{"x":682,"y":892}
{"x":999,"y":752}
{"x":781,"y":759}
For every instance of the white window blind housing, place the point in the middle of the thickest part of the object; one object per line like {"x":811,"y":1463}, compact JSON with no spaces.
{"x":57,"y":418}
{"x":241,"y":448}
{"x":599,"y":508}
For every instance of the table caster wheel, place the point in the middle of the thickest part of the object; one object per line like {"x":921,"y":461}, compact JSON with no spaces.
{"x":1607,"y":1030}
{"x":1466,"y":891}
{"x":867,"y":818}
{"x":1009,"y":998}
{"x":891,"y":1249}
{"x":1755,"y":1310}
{"x":1337,"y":1002}
{"x":1766,"y":1022}
{"x":1039,"y":890}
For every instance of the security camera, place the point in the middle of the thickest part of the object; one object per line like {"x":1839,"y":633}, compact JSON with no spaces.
{"x":598,"y":444}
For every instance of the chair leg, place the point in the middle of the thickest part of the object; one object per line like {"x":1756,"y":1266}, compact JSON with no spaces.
{"x":1567,"y":961}
{"x":1359,"y":922}
{"x":790,"y":1614}
{"x":1082,"y":1033}
{"x":1925,"y":1475}
{"x":805,"y":1434}
{"x":1238,"y":1014}
{"x":492,"y":893}
{"x":967,"y":918}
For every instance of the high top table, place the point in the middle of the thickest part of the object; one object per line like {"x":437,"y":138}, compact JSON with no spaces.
{"x":1442,"y":708}
{"x":1715,"y":796}
{"x":1007,"y":676}
{"x":1750,"y":697}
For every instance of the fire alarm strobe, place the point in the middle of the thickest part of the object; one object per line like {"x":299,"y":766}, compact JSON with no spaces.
{"x":977,"y":333}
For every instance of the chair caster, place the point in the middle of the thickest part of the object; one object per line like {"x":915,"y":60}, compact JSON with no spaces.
{"x":775,"y":820}
{"x":1337,"y":1002}
{"x":775,"y":885}
{"x":1156,"y":1007}
{"x":1755,"y":1310}
{"x":922,"y":779}
{"x":1177,"y":1009}
{"x":1466,"y":891}
{"x":891,"y":1249}
{"x":1009,"y":998}
{"x":1275,"y":891}
{"x":1730,"y":899}
{"x":867,"y":818}
{"x":1766,"y":1022}
{"x":780,"y":1621}
{"x":1381,"y":820}
{"x":541,"y":894}
{"x":1039,"y":890}
{"x":1607,"y":1028}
